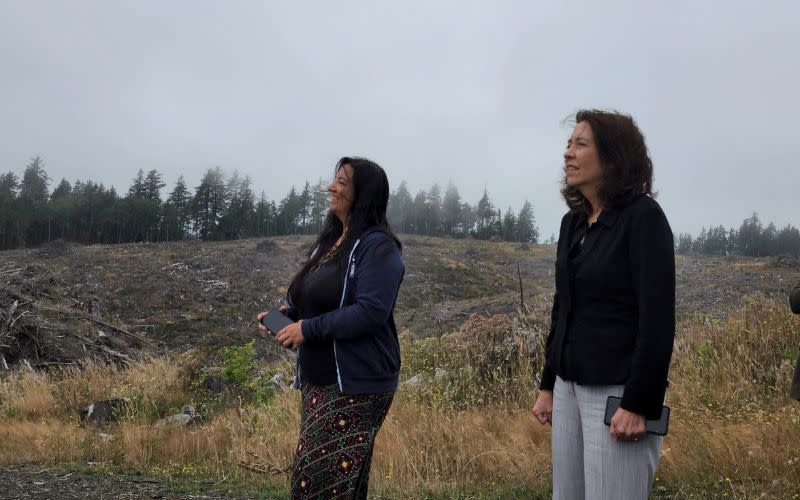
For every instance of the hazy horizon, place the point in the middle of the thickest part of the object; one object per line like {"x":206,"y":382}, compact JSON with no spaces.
{"x":468,"y":92}
{"x":515,"y":207}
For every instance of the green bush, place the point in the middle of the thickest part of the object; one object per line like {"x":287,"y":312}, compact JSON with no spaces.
{"x":240,"y":367}
{"x":238,"y":361}
{"x":262,"y":390}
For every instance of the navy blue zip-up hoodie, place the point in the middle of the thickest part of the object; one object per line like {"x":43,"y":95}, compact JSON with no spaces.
{"x":362,"y":328}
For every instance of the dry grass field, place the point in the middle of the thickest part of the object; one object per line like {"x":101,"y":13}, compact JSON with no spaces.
{"x":461,"y":427}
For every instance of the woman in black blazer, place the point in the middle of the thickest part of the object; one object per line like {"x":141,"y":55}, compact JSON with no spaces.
{"x":613,"y":318}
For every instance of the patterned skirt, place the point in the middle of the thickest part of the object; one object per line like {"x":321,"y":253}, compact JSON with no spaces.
{"x":337,"y":434}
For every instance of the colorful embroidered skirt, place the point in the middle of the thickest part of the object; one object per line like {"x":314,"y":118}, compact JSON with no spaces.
{"x":337,"y":434}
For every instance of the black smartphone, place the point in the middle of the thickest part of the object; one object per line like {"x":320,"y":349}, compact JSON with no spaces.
{"x":657,"y":427}
{"x":275,"y":321}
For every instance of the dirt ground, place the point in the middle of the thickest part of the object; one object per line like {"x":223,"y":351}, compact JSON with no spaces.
{"x":63,"y":301}
{"x":19,"y":482}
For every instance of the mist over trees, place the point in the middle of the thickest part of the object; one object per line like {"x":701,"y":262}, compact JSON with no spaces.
{"x":752,"y":238}
{"x":429,"y":213}
{"x":223,"y":207}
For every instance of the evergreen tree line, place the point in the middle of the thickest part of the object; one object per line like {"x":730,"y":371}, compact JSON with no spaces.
{"x":222,"y":207}
{"x":430,"y":213}
{"x":752,"y":239}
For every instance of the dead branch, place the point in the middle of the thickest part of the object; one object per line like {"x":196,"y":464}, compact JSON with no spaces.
{"x":16,"y":294}
{"x":74,"y":312}
{"x":96,"y":321}
{"x":54,"y":363}
{"x":261,"y":468}
{"x":103,"y":348}
{"x":266,"y":470}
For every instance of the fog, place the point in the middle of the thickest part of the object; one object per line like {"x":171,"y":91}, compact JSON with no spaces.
{"x":473,"y":93}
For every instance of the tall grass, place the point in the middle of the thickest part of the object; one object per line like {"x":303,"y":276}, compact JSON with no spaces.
{"x":732,"y":418}
{"x":466,"y":427}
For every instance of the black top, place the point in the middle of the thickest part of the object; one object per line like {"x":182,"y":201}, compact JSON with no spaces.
{"x":577,"y":238}
{"x":318,"y":292}
{"x":613,"y":319}
{"x":794,"y":299}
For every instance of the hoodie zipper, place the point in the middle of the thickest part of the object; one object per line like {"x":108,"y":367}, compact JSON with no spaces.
{"x":341,"y":303}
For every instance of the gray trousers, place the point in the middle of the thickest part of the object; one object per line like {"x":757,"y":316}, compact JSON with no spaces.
{"x":794,"y":390}
{"x":588,"y":463}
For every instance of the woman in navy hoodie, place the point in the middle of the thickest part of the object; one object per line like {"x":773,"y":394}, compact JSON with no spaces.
{"x":348,"y":360}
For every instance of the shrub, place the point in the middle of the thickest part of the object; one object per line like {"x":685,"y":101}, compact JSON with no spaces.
{"x":489,"y":361}
{"x":240,"y":367}
{"x":238,"y":361}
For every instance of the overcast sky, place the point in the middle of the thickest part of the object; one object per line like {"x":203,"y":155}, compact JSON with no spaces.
{"x":434,"y":91}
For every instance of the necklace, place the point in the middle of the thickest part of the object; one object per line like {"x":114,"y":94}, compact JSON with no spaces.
{"x":329,"y":256}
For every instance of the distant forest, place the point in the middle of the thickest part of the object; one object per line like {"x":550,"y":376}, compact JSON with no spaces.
{"x":752,"y":238}
{"x":222,"y":207}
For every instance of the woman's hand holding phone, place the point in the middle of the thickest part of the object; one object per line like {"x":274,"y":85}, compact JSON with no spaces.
{"x":259,"y":317}
{"x":291,"y":337}
{"x":288,"y":334}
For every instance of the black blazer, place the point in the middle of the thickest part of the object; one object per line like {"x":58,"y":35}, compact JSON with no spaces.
{"x":615,"y":305}
{"x":794,"y":299}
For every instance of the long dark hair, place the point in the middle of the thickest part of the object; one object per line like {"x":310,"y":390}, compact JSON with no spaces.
{"x":370,"y":199}
{"x":626,"y":164}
